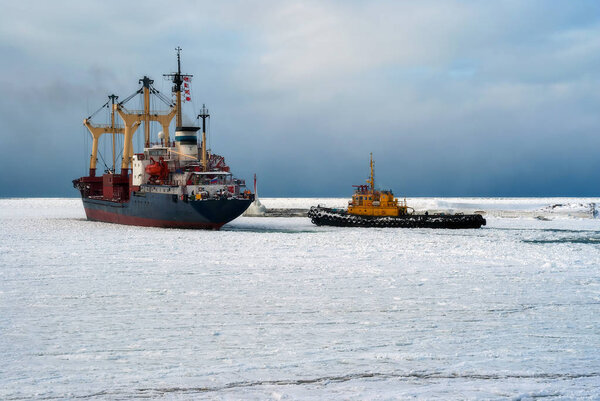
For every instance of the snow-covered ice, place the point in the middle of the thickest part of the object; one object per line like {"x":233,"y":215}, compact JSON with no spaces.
{"x":277,"y":308}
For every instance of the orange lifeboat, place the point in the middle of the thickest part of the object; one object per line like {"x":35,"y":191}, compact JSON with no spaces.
{"x":158,"y":170}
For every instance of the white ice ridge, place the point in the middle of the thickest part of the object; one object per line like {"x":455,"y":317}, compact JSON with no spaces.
{"x":489,"y":207}
{"x":255,"y":209}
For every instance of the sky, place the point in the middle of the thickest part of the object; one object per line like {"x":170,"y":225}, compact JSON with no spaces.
{"x":453,"y":98}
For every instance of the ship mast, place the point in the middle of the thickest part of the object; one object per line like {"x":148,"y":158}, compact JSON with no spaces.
{"x":146,"y":82}
{"x":177,"y":78}
{"x":97,"y":131}
{"x":133,"y":120}
{"x":113,"y":97}
{"x":204,"y":115}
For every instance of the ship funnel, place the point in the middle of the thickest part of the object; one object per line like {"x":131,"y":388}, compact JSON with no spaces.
{"x":186,"y":141}
{"x":186,"y":135}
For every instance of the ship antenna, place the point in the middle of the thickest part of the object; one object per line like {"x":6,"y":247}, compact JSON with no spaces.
{"x":177,"y":79}
{"x":178,"y":60}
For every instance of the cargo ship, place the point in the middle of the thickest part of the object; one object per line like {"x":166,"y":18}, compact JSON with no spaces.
{"x":171,"y":183}
{"x":374,"y":208}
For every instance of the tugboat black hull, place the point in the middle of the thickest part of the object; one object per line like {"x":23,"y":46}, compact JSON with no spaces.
{"x":322,"y":216}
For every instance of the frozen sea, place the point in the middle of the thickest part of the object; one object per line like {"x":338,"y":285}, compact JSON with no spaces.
{"x":279,"y":309}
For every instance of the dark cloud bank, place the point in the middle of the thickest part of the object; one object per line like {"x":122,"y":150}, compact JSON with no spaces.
{"x":453,"y":98}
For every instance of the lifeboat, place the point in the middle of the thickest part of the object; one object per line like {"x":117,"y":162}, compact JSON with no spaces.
{"x":157,"y":170}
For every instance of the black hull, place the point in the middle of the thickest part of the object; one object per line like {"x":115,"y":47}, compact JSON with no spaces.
{"x":164,"y":210}
{"x":322,"y":216}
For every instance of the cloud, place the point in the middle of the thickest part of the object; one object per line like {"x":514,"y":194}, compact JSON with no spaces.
{"x":454,"y":97}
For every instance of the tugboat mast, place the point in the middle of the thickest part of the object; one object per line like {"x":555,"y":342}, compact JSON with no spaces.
{"x":372,"y":179}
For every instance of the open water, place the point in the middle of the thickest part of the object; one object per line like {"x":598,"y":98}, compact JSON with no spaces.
{"x":276,"y":308}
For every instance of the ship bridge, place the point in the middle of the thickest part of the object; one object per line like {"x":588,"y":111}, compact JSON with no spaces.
{"x":212,"y":178}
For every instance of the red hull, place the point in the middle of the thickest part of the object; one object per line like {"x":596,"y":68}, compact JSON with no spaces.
{"x":107,"y":217}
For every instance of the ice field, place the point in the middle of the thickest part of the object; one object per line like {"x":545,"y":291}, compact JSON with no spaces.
{"x":277,"y":308}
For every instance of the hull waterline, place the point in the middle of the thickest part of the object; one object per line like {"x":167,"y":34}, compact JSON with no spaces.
{"x":166,"y":211}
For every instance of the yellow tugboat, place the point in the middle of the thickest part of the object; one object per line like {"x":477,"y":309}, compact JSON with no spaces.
{"x":367,"y":201}
{"x":374,"y":208}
